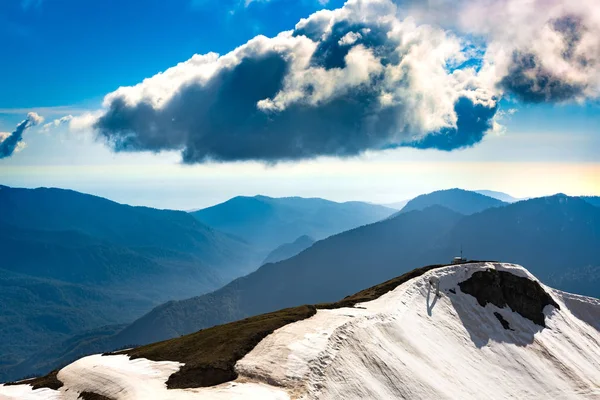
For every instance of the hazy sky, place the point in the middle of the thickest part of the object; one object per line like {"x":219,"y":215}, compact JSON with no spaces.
{"x":375,"y":101}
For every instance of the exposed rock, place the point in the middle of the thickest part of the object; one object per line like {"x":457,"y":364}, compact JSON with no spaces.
{"x":93,"y":396}
{"x":504,"y":322}
{"x":502,"y":289}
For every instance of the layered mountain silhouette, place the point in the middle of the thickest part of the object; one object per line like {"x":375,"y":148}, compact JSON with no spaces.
{"x":459,"y":200}
{"x":398,"y":205}
{"x":558,"y":237}
{"x":329,"y":269}
{"x":71,"y":262}
{"x":267,"y":222}
{"x":288,"y":250}
{"x":594,"y":200}
{"x":505,"y":197}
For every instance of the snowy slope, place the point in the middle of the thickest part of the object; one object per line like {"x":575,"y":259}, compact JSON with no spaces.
{"x":409,"y":343}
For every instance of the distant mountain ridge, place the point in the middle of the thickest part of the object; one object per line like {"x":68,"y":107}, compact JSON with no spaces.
{"x":159,"y":234}
{"x":536,"y":233}
{"x":398,"y":205}
{"x":459,"y":200}
{"x":268,"y":222}
{"x":593,"y":200}
{"x":556,"y":236}
{"x":310,"y":275}
{"x":505,"y":197}
{"x":73,"y":262}
{"x":288,"y":250}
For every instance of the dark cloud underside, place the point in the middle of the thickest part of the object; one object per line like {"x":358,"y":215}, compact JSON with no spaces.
{"x":220,"y":120}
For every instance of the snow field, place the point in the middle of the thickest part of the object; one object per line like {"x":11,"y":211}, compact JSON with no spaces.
{"x":408,"y":344}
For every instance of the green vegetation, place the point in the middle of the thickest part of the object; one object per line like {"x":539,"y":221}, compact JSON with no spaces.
{"x":49,"y":381}
{"x":377,"y":291}
{"x":210,"y":354}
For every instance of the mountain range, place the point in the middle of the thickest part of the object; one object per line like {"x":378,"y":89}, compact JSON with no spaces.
{"x":398,"y":205}
{"x":470,"y":331}
{"x":73,"y":263}
{"x":505,"y":197}
{"x":85,"y":303}
{"x":594,"y":200}
{"x":267,"y":223}
{"x":558,"y":236}
{"x":459,"y":200}
{"x":289,"y":250}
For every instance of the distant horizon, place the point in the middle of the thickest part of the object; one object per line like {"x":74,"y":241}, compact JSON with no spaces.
{"x":339,"y":200}
{"x":308,"y":98}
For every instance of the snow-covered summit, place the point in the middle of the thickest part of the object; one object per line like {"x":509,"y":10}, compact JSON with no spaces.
{"x":511,"y":337}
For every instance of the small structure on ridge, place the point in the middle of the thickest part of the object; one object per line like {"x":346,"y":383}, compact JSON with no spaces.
{"x":459,"y":260}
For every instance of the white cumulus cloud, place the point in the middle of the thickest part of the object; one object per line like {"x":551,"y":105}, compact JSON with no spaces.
{"x":370,"y":75}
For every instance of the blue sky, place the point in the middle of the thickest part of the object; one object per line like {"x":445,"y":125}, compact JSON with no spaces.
{"x":63,"y":58}
{"x":71,"y":52}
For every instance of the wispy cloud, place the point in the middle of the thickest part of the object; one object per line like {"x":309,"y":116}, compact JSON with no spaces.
{"x":57,"y":122}
{"x":14,"y":141}
{"x":81,"y":122}
{"x":248,"y":2}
